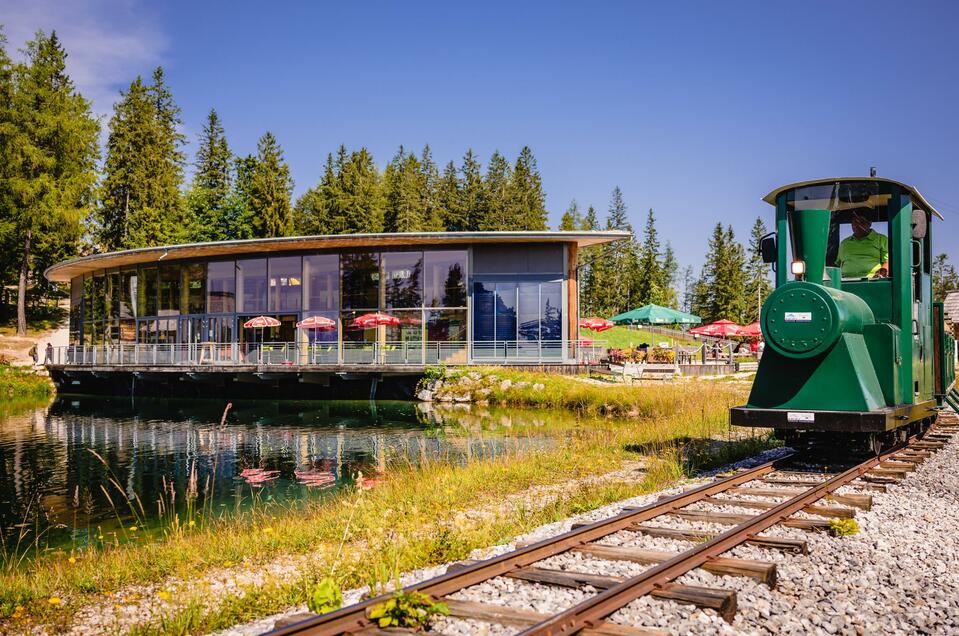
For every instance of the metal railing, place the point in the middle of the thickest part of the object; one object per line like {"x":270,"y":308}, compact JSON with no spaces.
{"x":399,"y":353}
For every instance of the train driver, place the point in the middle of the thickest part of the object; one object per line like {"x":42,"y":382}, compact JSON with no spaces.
{"x":865,"y":254}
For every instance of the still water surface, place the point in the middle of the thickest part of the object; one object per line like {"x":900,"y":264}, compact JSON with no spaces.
{"x":71,"y":472}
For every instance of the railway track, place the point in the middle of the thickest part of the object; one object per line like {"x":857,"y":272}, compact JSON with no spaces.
{"x":767,"y":495}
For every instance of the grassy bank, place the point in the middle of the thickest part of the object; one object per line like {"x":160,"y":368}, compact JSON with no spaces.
{"x":414,"y":517}
{"x":621,"y":337}
{"x":18,"y":384}
{"x":509,"y":387}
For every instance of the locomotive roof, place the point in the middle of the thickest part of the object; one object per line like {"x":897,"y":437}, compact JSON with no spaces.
{"x":916,"y":196}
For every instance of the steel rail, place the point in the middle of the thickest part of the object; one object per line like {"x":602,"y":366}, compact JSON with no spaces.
{"x":353,"y":618}
{"x":596,"y":608}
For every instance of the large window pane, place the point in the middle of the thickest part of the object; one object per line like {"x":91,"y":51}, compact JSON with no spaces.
{"x":404,"y":276}
{"x":169,"y":290}
{"x":445,"y":278}
{"x":99,"y":297}
{"x":352,"y":333}
{"x":221,"y":287}
{"x":285,"y":283}
{"x":128,"y":294}
{"x":194,"y":288}
{"x":529,"y":311}
{"x":446,"y":325}
{"x":147,"y":294}
{"x":321,"y":275}
{"x":484,"y":311}
{"x":506,"y":311}
{"x":112,"y":295}
{"x":251,"y":283}
{"x":361,"y":281}
{"x":76,"y":307}
{"x":551,"y":304}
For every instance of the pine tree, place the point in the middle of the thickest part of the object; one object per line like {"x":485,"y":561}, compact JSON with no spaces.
{"x":689,"y":287}
{"x":619,"y":260}
{"x":208,"y":197}
{"x":668,"y":272}
{"x":449,"y":196}
{"x":404,"y":186}
{"x":527,"y":203}
{"x":312,"y":213}
{"x":472,"y":200}
{"x":650,"y":284}
{"x":758,"y":286}
{"x":496,"y":207}
{"x":944,"y":277}
{"x":49,"y":150}
{"x":429,"y":182}
{"x":140,"y":201}
{"x":270,"y":187}
{"x":721,"y":291}
{"x":572,"y":220}
{"x":590,"y":222}
{"x":359,"y":194}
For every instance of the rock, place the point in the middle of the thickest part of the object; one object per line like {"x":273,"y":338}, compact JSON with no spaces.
{"x":425,"y":396}
{"x":464,"y":397}
{"x":539,"y":386}
{"x":505,"y":385}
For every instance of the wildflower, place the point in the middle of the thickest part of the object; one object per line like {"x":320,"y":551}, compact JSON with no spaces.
{"x":228,"y":564}
{"x":72,"y":559}
{"x":268,"y":530}
{"x":163,"y":595}
{"x":53,"y":600}
{"x":133,"y":528}
{"x":191,"y":523}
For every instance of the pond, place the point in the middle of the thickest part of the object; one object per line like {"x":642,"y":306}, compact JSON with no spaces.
{"x":86,"y":469}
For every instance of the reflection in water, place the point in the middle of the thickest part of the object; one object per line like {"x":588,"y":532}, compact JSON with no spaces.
{"x":63,"y":468}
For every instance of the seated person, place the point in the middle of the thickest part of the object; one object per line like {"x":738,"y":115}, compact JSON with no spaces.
{"x":865,"y":254}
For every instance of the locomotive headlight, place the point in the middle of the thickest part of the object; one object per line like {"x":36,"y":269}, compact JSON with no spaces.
{"x":799,"y":268}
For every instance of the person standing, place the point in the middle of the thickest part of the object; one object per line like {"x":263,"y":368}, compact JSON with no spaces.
{"x":33,"y":353}
{"x":48,"y":355}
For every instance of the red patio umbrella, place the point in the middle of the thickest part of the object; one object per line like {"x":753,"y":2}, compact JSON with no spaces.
{"x":596,"y":324}
{"x":368,"y":321}
{"x":752,"y":330}
{"x":320,"y":323}
{"x":718,"y":329}
{"x":261,"y":321}
{"x":586,"y":342}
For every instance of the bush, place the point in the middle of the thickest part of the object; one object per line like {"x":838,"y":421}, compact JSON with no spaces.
{"x":411,"y":610}
{"x":843,"y":527}
{"x":662,"y":355}
{"x":325,"y":596}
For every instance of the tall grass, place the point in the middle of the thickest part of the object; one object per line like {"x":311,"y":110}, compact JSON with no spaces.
{"x":426,"y":509}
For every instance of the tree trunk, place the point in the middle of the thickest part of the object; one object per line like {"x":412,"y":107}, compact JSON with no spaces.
{"x":22,"y":289}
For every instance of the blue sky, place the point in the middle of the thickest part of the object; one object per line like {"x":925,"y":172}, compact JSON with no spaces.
{"x":695,"y":109}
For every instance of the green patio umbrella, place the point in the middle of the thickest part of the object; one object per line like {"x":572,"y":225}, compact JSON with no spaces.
{"x":656,"y":315}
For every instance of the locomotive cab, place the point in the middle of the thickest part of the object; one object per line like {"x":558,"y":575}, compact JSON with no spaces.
{"x":849,"y":329}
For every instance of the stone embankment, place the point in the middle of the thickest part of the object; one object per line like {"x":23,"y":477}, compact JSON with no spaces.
{"x":470,"y":386}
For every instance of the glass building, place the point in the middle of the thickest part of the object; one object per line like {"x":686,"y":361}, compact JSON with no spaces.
{"x":401,"y":299}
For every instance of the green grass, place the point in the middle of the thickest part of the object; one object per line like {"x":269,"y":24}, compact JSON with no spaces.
{"x":621,"y":337}
{"x":417,"y":516}
{"x":21,"y":384}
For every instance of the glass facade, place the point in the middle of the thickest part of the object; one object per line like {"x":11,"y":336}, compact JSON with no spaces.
{"x":428,"y":306}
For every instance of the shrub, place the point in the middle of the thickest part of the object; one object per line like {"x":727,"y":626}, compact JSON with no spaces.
{"x":325,"y":596}
{"x":412,"y":610}
{"x":659,"y":354}
{"x":843,"y":527}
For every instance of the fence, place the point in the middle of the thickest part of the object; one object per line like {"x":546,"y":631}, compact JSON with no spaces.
{"x":404,"y":353}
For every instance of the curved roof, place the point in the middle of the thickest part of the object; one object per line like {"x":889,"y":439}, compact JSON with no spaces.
{"x":921,"y":200}
{"x":63,"y":272}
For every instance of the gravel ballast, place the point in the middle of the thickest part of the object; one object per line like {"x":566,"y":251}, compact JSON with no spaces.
{"x":898,"y":575}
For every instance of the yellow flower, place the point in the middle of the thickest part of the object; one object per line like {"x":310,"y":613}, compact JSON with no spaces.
{"x":228,"y":564}
{"x":53,"y":600}
{"x":163,"y":595}
{"x":72,"y":559}
{"x":133,"y":528}
{"x":191,"y":523}
{"x":268,"y":530}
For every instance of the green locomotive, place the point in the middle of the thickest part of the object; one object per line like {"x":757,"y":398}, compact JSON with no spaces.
{"x":854,"y":342}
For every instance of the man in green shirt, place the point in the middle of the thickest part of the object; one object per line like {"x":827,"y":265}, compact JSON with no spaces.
{"x":865,"y":254}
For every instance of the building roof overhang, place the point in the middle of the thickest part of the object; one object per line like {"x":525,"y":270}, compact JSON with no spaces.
{"x":915,"y":194}
{"x":63,"y":272}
